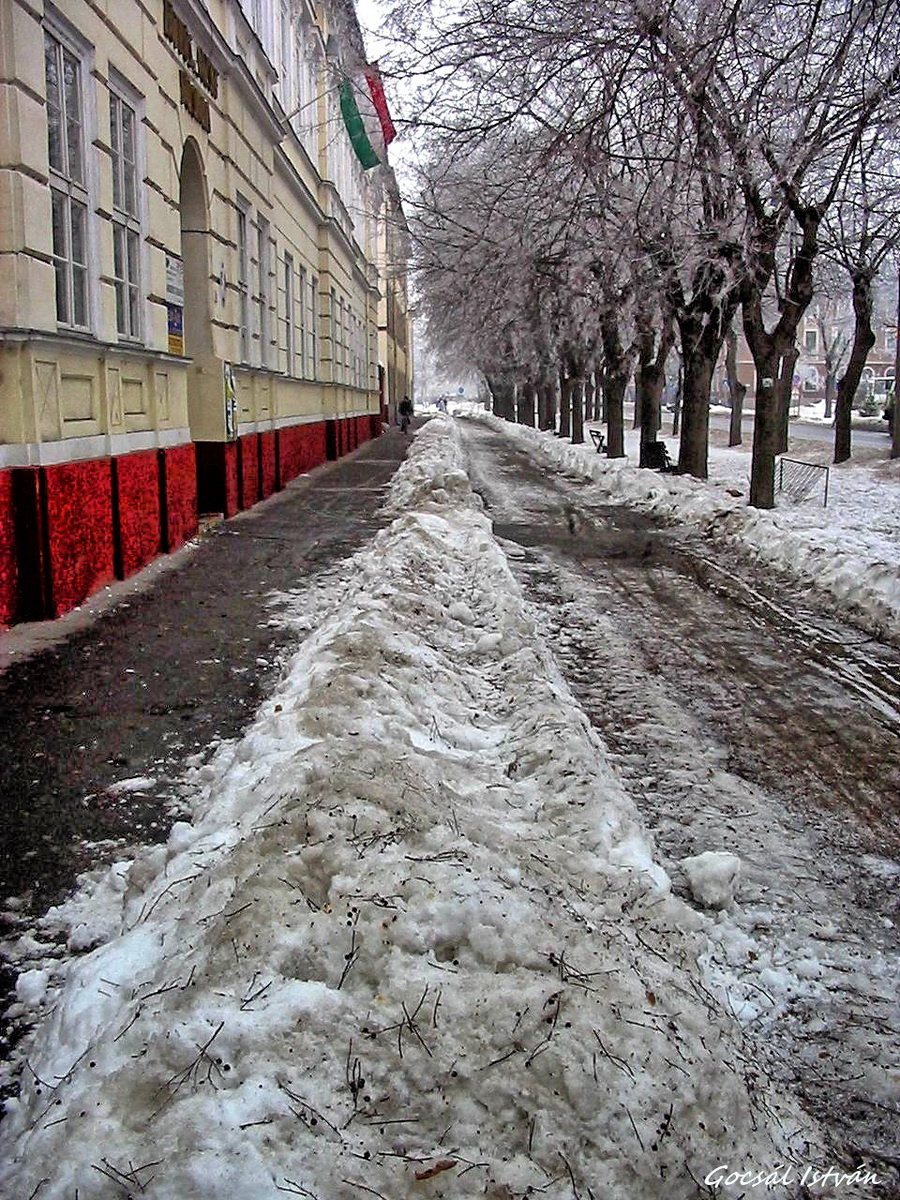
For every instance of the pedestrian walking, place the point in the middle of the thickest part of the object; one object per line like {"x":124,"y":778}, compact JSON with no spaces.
{"x":406,"y":412}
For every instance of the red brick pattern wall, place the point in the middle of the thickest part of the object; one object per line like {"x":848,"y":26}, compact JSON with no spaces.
{"x":268,"y":463}
{"x":232,"y":499}
{"x":181,"y":495}
{"x":79,"y":530}
{"x":300,"y":448}
{"x":138,"y":510}
{"x":248,"y":450}
{"x":8,"y":571}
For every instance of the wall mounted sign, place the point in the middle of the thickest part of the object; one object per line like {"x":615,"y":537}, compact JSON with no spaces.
{"x":198,"y":63}
{"x":175,"y":303}
{"x":176,"y":329}
{"x":231,"y":423}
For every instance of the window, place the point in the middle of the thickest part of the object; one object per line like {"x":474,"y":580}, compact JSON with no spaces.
{"x":289,"y":333}
{"x":243,"y":266}
{"x":262,"y":300}
{"x":811,"y":341}
{"x":313,"y":328}
{"x":890,"y":340}
{"x":68,"y":181}
{"x":301,"y":338}
{"x":126,"y":219}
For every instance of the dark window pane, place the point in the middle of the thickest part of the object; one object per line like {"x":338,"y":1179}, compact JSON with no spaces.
{"x":134,"y":246}
{"x":79,"y":239}
{"x":72,"y":97}
{"x":118,"y":252}
{"x":60,"y":238}
{"x":133,"y":312}
{"x":62,"y":293}
{"x":121,"y":312}
{"x":115,"y":147}
{"x":79,"y":295}
{"x":54,"y":113}
{"x":129,"y":157}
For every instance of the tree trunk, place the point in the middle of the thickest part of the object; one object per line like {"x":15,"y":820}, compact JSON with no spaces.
{"x":863,"y":341}
{"x":565,"y":405}
{"x":765,"y":432}
{"x":590,"y":395}
{"x":676,"y":403}
{"x":785,"y":393}
{"x":693,"y":449}
{"x":636,"y":415}
{"x":651,"y":379}
{"x":736,"y":390}
{"x":769,"y":349}
{"x":503,"y":397}
{"x":600,"y":394}
{"x":546,"y":405}
{"x":525,"y":404}
{"x":701,"y":343}
{"x":577,"y":411}
{"x":830,"y":393}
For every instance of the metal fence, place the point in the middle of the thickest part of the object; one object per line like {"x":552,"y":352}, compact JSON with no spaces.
{"x":798,"y":480}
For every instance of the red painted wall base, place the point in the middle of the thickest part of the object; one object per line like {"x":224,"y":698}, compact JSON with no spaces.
{"x":68,"y":530}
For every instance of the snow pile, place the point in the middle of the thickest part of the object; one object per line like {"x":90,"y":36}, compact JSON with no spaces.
{"x":712,"y":877}
{"x":414,"y":942}
{"x":864,"y":579}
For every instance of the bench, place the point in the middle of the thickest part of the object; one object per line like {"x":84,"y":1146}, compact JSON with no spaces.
{"x":598,"y":439}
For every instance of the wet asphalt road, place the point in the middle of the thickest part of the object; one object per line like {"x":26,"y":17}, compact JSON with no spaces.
{"x":163,"y":675}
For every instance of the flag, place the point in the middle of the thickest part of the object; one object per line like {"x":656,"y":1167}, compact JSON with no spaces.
{"x":356,"y":128}
{"x":376,"y":91}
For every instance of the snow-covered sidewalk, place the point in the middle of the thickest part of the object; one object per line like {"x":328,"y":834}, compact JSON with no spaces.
{"x":848,"y":551}
{"x":413,"y":942}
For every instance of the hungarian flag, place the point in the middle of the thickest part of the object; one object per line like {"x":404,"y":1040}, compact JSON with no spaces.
{"x":356,"y":122}
{"x":356,"y":127}
{"x":376,"y":91}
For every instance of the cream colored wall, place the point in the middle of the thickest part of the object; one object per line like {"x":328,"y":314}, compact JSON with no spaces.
{"x":51,"y":391}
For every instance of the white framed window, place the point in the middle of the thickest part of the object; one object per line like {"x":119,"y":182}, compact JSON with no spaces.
{"x":126,"y":220}
{"x":301,"y":333}
{"x":262,"y":283}
{"x":290,"y":340}
{"x":67,"y":141}
{"x":243,"y":277}
{"x":811,"y":341}
{"x":313,"y":328}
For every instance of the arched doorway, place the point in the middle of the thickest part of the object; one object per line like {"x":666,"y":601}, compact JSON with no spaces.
{"x":195,"y":253}
{"x":205,"y":403}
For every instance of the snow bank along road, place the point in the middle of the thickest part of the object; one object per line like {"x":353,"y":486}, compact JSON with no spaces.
{"x":415,"y":940}
{"x":738,"y":723}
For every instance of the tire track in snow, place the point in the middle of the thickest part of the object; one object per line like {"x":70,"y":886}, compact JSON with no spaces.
{"x":684,"y":688}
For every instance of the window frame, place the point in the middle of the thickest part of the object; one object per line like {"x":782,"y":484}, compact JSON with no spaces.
{"x":70,"y":192}
{"x":242,"y":248}
{"x":263,"y":299}
{"x":290,"y":347}
{"x":129,"y":224}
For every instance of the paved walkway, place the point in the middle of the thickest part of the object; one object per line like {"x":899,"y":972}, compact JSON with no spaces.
{"x":167,"y":670}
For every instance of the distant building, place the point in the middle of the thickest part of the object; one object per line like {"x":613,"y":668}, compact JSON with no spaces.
{"x":189,"y":307}
{"x":395,"y":356}
{"x":824,"y":341}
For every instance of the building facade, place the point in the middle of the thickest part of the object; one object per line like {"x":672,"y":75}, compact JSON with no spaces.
{"x":395,"y":342}
{"x":189,"y":296}
{"x":823,"y":346}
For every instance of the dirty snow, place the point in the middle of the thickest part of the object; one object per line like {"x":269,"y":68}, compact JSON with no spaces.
{"x":414,"y":940}
{"x":849,"y":550}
